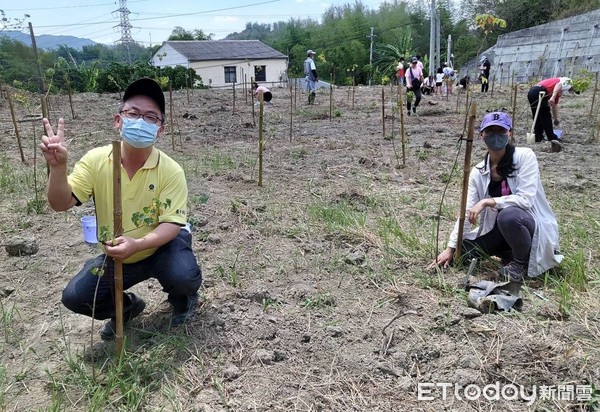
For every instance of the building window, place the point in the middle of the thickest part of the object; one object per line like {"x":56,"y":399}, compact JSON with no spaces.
{"x":230,"y":74}
{"x":260,"y":73}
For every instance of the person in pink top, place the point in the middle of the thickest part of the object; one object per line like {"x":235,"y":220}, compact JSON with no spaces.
{"x":414,"y":79}
{"x":258,"y":90}
{"x":553,"y":89}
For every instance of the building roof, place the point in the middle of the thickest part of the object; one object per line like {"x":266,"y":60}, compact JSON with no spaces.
{"x":203,"y":50}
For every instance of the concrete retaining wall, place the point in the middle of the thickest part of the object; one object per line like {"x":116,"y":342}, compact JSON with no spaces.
{"x":561,"y":48}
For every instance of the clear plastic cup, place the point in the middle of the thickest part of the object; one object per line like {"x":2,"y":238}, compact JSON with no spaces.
{"x":88,"y":224}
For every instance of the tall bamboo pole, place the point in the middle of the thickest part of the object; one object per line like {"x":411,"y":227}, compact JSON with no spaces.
{"x":465,"y":186}
{"x":353,"y":92}
{"x":252,"y":101}
{"x":233,"y":87}
{"x":46,"y":114}
{"x":330,"y":102}
{"x":594,"y":97}
{"x":171,"y":116}
{"x":118,"y":231}
{"x":187,"y":87}
{"x":260,"y":138}
{"x":514,"y":110}
{"x":291,"y":110}
{"x":383,"y":111}
{"x":500,"y":82}
{"x":402,"y":131}
{"x":14,"y":119}
{"x":244,"y":90}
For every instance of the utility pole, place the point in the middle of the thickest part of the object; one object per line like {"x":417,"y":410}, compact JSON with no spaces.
{"x":432,"y":32}
{"x":449,"y":52}
{"x":372,"y":36}
{"x":438,"y":28}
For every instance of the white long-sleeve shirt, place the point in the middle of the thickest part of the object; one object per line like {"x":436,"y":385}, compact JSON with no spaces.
{"x":527,"y":193}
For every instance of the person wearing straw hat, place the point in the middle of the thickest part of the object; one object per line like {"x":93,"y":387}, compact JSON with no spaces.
{"x":506,"y":196}
{"x":553,"y":88}
{"x":311,"y":76}
{"x":153,"y":245}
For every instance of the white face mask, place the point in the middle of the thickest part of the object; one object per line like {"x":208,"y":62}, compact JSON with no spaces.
{"x":138,"y":132}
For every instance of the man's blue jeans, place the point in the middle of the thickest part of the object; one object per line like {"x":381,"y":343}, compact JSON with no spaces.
{"x":173,"y":265}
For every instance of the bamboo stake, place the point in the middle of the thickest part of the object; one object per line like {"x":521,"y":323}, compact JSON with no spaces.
{"x":383,"y":112}
{"x":245,"y":88}
{"x":252,"y":101}
{"x":233,"y":87}
{"x":118,"y":231}
{"x":45,"y":114}
{"x":465,"y":186}
{"x":594,"y":96}
{"x":514,"y":111}
{"x":260,"y":138}
{"x":393,"y":113}
{"x":44,"y":103}
{"x":402,"y":130}
{"x":70,"y":93}
{"x":512,"y":79}
{"x":330,"y":102}
{"x":493,"y":82}
{"x":171,"y":116}
{"x":291,"y":110}
{"x":500,"y":82}
{"x":14,"y":119}
{"x":352,"y":92}
{"x":187,"y":88}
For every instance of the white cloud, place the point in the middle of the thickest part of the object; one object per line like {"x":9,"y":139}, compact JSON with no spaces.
{"x":226,"y":19}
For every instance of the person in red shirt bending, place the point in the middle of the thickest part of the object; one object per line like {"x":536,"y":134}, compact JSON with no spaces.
{"x":553,"y":89}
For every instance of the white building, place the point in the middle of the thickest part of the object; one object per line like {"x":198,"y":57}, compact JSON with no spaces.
{"x":221,"y":63}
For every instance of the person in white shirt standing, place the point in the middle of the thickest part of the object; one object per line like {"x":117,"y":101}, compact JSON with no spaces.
{"x":310,"y":73}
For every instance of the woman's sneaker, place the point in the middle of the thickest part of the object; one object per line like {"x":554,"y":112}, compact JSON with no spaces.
{"x":513,"y":272}
{"x":109,"y":330}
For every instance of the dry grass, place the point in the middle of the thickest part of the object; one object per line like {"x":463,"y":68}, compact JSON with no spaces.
{"x":316,"y":295}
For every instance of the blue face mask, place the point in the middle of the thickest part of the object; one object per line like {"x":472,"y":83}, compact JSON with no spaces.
{"x":496,"y":141}
{"x":138,"y":132}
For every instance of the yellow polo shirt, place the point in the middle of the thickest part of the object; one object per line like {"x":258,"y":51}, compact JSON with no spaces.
{"x":160,"y":178}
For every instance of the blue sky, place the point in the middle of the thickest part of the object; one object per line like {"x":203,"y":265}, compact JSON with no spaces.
{"x":152,"y":21}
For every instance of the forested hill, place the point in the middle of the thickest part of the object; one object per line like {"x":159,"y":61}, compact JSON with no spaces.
{"x":47,"y":41}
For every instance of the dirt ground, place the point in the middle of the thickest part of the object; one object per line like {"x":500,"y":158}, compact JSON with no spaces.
{"x":316,"y":295}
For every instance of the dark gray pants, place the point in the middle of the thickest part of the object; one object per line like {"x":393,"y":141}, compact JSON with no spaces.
{"x":510,"y":239}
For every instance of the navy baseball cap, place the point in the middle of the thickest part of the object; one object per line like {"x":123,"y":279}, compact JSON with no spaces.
{"x":146,"y":87}
{"x":496,"y":119}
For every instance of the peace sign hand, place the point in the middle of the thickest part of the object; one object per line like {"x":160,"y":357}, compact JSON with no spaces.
{"x":53,"y":146}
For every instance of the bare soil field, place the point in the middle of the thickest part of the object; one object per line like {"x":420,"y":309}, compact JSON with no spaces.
{"x":316,"y":293}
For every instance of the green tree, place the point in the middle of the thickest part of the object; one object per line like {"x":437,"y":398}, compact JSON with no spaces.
{"x":179,"y":33}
